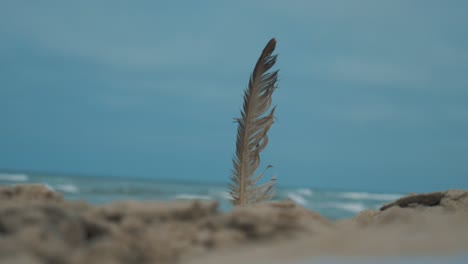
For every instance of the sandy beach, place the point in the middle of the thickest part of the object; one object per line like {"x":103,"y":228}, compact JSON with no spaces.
{"x":38,"y":226}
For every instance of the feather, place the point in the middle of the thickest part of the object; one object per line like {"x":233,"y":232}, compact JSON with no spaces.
{"x":252,"y":138}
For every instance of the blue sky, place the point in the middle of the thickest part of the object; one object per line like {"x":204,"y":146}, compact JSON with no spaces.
{"x":373,"y":94}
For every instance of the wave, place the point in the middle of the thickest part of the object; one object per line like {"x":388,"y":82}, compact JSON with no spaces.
{"x":350,"y":207}
{"x":305,"y":192}
{"x":16,"y":177}
{"x":224,"y":195}
{"x":297,"y":198}
{"x":192,"y":197}
{"x":68,"y":188}
{"x":370,"y":196}
{"x":48,"y":187}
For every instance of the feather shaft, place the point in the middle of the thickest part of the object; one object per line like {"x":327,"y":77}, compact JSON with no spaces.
{"x":253,"y":126}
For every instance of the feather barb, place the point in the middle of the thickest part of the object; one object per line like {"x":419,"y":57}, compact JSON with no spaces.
{"x":253,"y":126}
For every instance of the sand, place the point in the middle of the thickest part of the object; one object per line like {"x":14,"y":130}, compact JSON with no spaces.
{"x":39,"y":226}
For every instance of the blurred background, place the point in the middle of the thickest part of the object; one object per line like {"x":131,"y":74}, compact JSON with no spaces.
{"x":373,"y":94}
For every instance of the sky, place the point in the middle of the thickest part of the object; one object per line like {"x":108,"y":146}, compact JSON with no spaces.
{"x":373,"y":95}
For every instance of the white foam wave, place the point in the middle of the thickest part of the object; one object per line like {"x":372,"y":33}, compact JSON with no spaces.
{"x":370,"y":196}
{"x":48,"y":187}
{"x":192,"y":197}
{"x":225,"y":195}
{"x":350,"y":207}
{"x":16,"y":177}
{"x":68,"y":188}
{"x":297,"y":198}
{"x":305,"y":192}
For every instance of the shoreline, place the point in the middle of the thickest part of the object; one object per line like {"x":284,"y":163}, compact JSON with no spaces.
{"x":38,"y":226}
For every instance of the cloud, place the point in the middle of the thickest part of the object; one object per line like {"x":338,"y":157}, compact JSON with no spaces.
{"x":377,"y":73}
{"x":457,"y":113}
{"x":208,"y":93}
{"x":110,"y":35}
{"x":370,"y":113}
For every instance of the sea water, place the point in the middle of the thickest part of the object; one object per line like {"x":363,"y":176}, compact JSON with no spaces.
{"x":332,"y":204}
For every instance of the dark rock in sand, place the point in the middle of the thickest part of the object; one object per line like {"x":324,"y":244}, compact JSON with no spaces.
{"x":416,"y":208}
{"x":413,"y":200}
{"x":452,"y":199}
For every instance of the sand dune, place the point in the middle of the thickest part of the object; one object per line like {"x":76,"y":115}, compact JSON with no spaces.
{"x":38,"y":226}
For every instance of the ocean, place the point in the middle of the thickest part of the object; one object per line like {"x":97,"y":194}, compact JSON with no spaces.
{"x":332,"y":204}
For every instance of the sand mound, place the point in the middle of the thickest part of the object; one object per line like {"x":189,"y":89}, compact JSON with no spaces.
{"x":38,"y":226}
